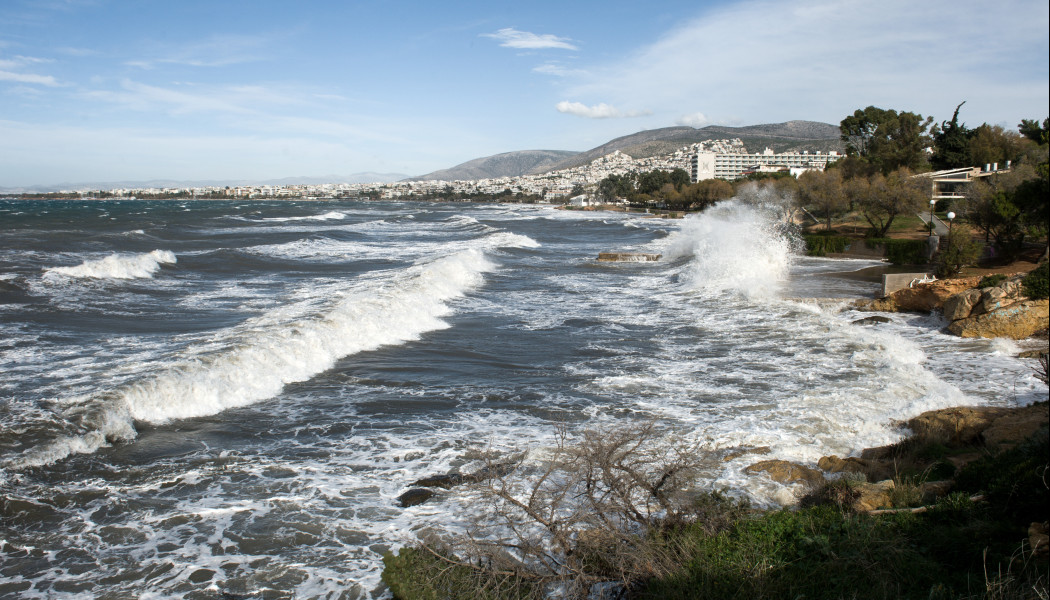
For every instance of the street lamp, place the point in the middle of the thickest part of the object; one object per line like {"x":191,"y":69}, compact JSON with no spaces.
{"x":950,"y":216}
{"x":932,"y":204}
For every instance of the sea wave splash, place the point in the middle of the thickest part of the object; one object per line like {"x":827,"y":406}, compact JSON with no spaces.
{"x":735,"y":248}
{"x":117,"y":266}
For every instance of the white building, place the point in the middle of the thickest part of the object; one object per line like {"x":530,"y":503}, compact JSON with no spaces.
{"x":733,"y":165}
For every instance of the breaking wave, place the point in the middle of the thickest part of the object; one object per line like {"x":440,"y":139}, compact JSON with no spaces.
{"x":117,"y":266}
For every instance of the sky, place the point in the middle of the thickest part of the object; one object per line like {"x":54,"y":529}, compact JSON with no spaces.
{"x":111,"y":90}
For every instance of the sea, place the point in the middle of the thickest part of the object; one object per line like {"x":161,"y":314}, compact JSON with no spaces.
{"x":225,"y":399}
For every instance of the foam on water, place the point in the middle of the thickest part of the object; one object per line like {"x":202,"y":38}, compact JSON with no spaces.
{"x":735,"y":248}
{"x":117,"y":266}
{"x":332,"y":215}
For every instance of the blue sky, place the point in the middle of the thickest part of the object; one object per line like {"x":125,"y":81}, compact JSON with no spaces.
{"x":99,"y":90}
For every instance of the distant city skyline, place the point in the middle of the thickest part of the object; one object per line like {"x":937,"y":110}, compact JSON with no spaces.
{"x":98,"y":90}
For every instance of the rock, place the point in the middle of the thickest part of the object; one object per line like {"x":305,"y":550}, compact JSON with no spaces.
{"x":738,"y":452}
{"x":1016,"y":426}
{"x":992,"y":426}
{"x":1031,"y":353}
{"x":872,"y":320}
{"x":451,"y":480}
{"x":934,"y":490}
{"x":1016,"y":321}
{"x":874,"y":495}
{"x":415,"y":496}
{"x":786,"y":472}
{"x":871,"y":468}
{"x":627,"y":257}
{"x":959,"y":306}
{"x":922,"y":297}
{"x":959,"y":425}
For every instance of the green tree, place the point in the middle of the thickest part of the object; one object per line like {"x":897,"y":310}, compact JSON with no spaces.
{"x":822,"y":192}
{"x":885,"y":197}
{"x":991,"y":144}
{"x":951,"y":143}
{"x":887,"y":139}
{"x":1009,"y":207}
{"x":615,"y":187}
{"x":1031,"y":129}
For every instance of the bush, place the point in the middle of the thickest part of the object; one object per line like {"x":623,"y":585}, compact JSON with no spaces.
{"x":822,"y":245}
{"x":901,"y":252}
{"x":1035,"y":284}
{"x":960,"y":252}
{"x":991,"y":280}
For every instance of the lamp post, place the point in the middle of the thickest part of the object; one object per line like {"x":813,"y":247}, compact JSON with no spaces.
{"x":932,"y":204}
{"x":950,"y":216}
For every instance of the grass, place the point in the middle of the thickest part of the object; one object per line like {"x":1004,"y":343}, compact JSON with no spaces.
{"x":958,"y":549}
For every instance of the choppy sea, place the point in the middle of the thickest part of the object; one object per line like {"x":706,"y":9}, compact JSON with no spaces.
{"x":205,"y":398}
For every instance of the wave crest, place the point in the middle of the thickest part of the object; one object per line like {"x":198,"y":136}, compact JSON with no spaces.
{"x":117,"y":266}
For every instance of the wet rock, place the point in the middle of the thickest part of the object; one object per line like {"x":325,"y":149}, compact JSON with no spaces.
{"x":415,"y":496}
{"x":1016,"y":321}
{"x":786,"y":472}
{"x":961,"y":305}
{"x":201,"y":575}
{"x":1031,"y":353}
{"x":875,"y":320}
{"x":738,"y":452}
{"x":452,"y":480}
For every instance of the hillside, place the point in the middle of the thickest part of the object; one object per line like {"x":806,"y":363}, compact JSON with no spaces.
{"x":780,"y":137}
{"x":508,"y":164}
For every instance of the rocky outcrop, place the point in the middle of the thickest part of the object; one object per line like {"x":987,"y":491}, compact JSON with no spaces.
{"x":1016,"y":321}
{"x":921,"y":297}
{"x":990,"y":312}
{"x":872,"y":496}
{"x":991,"y":426}
{"x":786,"y":472}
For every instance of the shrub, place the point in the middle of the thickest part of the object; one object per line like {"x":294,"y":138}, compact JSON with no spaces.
{"x":991,"y":280}
{"x":822,"y":245}
{"x":959,"y":252}
{"x":901,"y":252}
{"x":1035,"y":284}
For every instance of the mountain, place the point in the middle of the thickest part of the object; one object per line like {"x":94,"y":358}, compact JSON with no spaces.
{"x":780,"y":137}
{"x":508,"y":164}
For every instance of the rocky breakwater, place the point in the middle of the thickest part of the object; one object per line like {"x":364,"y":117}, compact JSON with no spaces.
{"x":1000,"y":310}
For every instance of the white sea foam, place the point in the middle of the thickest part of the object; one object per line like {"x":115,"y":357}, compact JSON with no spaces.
{"x":735,"y":248}
{"x":332,"y":215}
{"x":117,"y":266}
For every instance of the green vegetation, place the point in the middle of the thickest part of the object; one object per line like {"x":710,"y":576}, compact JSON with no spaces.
{"x":991,"y":280}
{"x":901,"y":252}
{"x":969,"y":544}
{"x":1036,"y":284}
{"x":822,"y":245}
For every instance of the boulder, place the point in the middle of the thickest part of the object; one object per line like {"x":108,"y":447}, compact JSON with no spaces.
{"x":959,"y":425}
{"x":959,"y":306}
{"x":415,"y":496}
{"x":921,"y":297}
{"x":1016,"y":426}
{"x":1016,"y":321}
{"x":875,"y":320}
{"x":935,"y":490}
{"x":786,"y":472}
{"x":872,"y":469}
{"x":872,"y":496}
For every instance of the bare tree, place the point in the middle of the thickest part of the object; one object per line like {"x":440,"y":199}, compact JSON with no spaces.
{"x":597,"y":513}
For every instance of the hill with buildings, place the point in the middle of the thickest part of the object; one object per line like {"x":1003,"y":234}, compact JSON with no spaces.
{"x":780,"y":137}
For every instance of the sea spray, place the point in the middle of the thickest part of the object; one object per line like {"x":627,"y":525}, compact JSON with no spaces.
{"x":734,"y":248}
{"x":117,"y":266}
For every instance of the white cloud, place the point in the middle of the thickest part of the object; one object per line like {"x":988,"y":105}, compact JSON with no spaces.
{"x":696,"y":119}
{"x":512,"y":38}
{"x":29,"y":78}
{"x":767,"y":61}
{"x":598,"y":111}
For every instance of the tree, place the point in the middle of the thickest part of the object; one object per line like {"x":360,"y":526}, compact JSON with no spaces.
{"x":707,"y":192}
{"x":1008,"y":207}
{"x":615,"y":186}
{"x":822,"y":191}
{"x":951,"y":142}
{"x":1031,"y":129}
{"x":887,"y":139}
{"x":990,"y":144}
{"x":885,"y":197}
